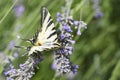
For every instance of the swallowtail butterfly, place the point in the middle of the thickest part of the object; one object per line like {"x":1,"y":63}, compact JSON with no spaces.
{"x":45,"y":39}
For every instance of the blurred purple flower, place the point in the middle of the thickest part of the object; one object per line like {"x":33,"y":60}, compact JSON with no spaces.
{"x":74,"y":70}
{"x":11,"y":45}
{"x":16,"y":55}
{"x":97,"y":9}
{"x":21,"y":66}
{"x":78,"y":32}
{"x":58,"y":14}
{"x":19,"y":9}
{"x":58,"y":17}
{"x":98,"y":15}
{"x":72,"y":41}
{"x":76,"y":23}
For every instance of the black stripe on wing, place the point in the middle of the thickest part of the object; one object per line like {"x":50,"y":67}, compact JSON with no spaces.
{"x":49,"y":19}
{"x":44,"y":13}
{"x":50,"y":22}
{"x":53,"y":28}
{"x":46,"y":17}
{"x":34,"y":38}
{"x":51,"y":34}
{"x":55,"y":39}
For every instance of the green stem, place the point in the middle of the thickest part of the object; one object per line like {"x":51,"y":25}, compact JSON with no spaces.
{"x":8,"y":12}
{"x":61,"y":77}
{"x":54,"y":77}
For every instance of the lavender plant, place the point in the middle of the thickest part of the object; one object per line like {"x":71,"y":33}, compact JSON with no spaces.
{"x":25,"y":71}
{"x":62,"y":63}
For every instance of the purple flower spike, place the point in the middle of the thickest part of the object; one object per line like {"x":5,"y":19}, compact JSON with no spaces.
{"x":25,"y":72}
{"x":62,"y":55}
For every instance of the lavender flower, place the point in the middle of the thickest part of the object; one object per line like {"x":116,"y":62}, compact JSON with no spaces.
{"x":72,"y":41}
{"x":97,"y":9}
{"x":16,"y":54}
{"x":19,"y":9}
{"x":11,"y":45}
{"x":98,"y":14}
{"x":26,"y":70}
{"x":67,"y":28}
{"x":76,"y":23}
{"x":81,"y":24}
{"x":62,"y":63}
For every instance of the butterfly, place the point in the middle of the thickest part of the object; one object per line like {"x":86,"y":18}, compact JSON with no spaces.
{"x":46,"y":38}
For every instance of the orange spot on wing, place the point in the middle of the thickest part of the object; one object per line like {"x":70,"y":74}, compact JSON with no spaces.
{"x":38,"y":43}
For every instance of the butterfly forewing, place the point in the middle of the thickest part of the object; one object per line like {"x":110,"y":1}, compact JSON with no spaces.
{"x":48,"y":33}
{"x":47,"y":37}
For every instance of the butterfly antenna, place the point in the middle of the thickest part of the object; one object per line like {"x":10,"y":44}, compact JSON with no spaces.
{"x":25,"y":54}
{"x":27,"y":40}
{"x":20,"y":47}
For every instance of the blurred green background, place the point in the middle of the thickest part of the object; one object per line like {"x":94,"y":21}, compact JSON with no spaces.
{"x":97,"y":50}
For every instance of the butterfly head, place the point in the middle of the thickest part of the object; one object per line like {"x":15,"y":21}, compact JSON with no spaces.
{"x":32,"y":41}
{"x":28,"y":48}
